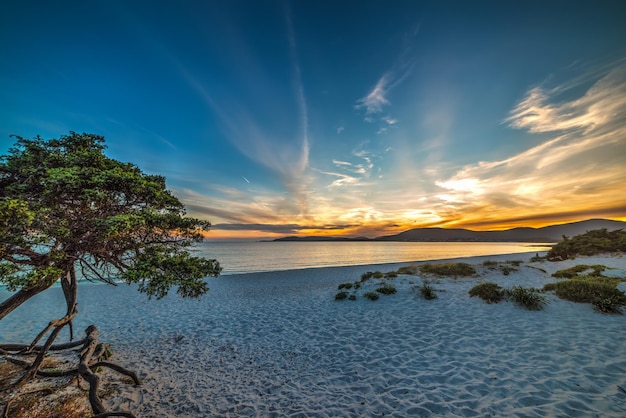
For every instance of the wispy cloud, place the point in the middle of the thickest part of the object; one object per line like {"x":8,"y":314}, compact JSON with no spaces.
{"x":376,"y":99}
{"x":538,"y":113}
{"x":578,"y":170}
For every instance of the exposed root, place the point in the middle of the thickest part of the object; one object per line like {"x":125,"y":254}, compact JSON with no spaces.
{"x":93,"y":355}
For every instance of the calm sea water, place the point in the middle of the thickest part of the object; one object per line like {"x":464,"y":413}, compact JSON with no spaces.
{"x":247,"y":257}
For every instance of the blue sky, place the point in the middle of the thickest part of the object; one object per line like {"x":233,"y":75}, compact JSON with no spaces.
{"x":337,"y":117}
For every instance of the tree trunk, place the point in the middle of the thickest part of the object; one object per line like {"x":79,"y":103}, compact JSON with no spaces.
{"x":12,"y":303}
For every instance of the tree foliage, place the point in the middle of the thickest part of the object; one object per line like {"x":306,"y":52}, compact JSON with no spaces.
{"x":66,"y":209}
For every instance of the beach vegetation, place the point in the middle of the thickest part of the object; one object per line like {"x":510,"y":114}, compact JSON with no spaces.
{"x":371,"y":295}
{"x":387,"y":289}
{"x":506,"y":270}
{"x":515,"y":263}
{"x":366,"y":276}
{"x":427,"y":292}
{"x":67,"y":210}
{"x":488,"y":291}
{"x":537,"y":258}
{"x":490,"y":263}
{"x":411,"y":270}
{"x":528,"y":298}
{"x":448,"y":269}
{"x":346,"y":286}
{"x":590,"y":243}
{"x":588,"y":290}
{"x":568,"y":273}
{"x":377,"y":275}
{"x":609,"y":305}
{"x":341,"y":295}
{"x":352,"y":297}
{"x":391,"y":275}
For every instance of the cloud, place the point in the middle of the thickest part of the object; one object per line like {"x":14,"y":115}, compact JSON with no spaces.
{"x":390,"y":120}
{"x":538,"y":113}
{"x":340,"y":129}
{"x":579,"y":169}
{"x":375,"y":100}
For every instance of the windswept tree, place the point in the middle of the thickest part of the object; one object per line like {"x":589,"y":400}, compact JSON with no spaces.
{"x":67,"y":211}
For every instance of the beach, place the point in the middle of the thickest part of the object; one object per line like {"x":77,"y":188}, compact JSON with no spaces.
{"x":279,"y":344}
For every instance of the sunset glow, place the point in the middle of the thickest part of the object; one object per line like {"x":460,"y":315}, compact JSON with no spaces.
{"x":273,"y":119}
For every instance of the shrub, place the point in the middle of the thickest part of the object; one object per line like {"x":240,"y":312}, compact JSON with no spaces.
{"x":428,"y":292}
{"x":366,"y":276}
{"x":371,"y":295}
{"x":341,"y":295}
{"x":506,"y":270}
{"x":352,"y":297}
{"x":387,"y":289}
{"x":391,"y":274}
{"x":527,"y":298}
{"x":611,"y":305}
{"x":579,"y":268}
{"x":357,"y":285}
{"x":537,"y":258}
{"x":347,"y":286}
{"x":449,"y":269}
{"x":377,"y":275}
{"x":488,"y":291}
{"x":516,"y":263}
{"x":410,"y":270}
{"x":587,"y":291}
{"x":590,"y":243}
{"x":490,"y":263}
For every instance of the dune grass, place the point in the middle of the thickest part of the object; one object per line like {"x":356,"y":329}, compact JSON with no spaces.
{"x":488,"y":291}
{"x":448,"y":269}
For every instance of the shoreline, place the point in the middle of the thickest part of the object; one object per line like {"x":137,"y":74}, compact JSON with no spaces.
{"x":278,"y":344}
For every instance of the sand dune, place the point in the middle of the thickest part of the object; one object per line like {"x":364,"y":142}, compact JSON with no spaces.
{"x":278,"y":344}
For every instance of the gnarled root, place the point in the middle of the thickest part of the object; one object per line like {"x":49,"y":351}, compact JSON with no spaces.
{"x":92,"y":356}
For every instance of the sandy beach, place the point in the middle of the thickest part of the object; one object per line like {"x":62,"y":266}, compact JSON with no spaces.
{"x":278,"y":344}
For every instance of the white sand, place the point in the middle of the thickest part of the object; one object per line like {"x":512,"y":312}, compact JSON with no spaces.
{"x":278,"y":344}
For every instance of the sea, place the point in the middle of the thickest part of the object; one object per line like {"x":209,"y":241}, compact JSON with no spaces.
{"x":252,"y":257}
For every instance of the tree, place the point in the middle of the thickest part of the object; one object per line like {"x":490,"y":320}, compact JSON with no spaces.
{"x":69,"y":211}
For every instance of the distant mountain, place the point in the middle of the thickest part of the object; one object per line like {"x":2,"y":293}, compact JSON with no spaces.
{"x":552,"y":233}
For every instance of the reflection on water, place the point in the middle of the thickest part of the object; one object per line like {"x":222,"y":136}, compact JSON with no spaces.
{"x":244,"y":257}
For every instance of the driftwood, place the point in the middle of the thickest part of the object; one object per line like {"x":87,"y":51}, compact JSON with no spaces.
{"x":93,"y":355}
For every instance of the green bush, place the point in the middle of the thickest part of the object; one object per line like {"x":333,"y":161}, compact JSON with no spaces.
{"x":341,"y":295}
{"x":377,"y":275}
{"x":490,"y":263}
{"x":516,"y":263}
{"x":410,"y":270}
{"x":506,"y":270}
{"x":527,"y":298}
{"x":428,"y":292}
{"x":610,"y":305}
{"x":391,"y":274}
{"x":347,"y":286}
{"x":366,"y":276}
{"x":371,"y":295}
{"x":488,"y":291}
{"x":587,"y":291}
{"x":387,"y":289}
{"x":579,"y":268}
{"x":590,"y":243}
{"x":448,"y":269}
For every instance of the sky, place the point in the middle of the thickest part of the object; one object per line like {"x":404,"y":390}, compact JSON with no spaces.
{"x":348,"y":118}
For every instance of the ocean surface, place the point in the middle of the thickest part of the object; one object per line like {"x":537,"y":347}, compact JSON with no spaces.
{"x":251,"y":257}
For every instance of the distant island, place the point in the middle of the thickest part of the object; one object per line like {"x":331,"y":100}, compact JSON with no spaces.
{"x":553,"y":233}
